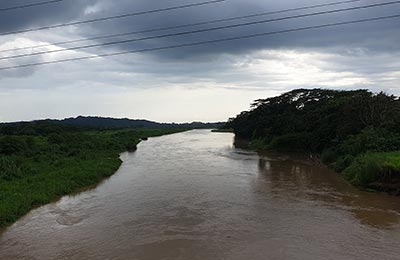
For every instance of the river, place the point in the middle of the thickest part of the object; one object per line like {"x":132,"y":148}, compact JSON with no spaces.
{"x":193,"y":195}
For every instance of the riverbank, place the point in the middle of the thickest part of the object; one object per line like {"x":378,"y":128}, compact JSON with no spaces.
{"x":194,"y":196}
{"x":357,"y":133}
{"x":370,"y":171}
{"x":222,"y":130}
{"x":54,"y":161}
{"x":376,"y":171}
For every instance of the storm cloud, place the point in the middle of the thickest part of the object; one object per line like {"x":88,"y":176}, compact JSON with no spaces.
{"x":364,"y":55}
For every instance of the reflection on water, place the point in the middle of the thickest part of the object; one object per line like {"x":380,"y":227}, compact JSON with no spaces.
{"x":194,"y":195}
{"x":306,"y":181}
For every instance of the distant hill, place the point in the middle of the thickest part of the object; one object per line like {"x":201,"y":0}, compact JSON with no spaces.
{"x":107,"y":122}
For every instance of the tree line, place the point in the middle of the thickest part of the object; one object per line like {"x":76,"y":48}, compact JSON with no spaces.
{"x":341,"y":126}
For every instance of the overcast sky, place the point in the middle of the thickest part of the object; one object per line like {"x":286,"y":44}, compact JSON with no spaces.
{"x":202,"y":83}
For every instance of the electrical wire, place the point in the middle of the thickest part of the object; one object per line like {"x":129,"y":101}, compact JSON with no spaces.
{"x":29,"y":5}
{"x":200,"y":30}
{"x":204,"y":42}
{"x":113,"y":17}
{"x":182,"y":26}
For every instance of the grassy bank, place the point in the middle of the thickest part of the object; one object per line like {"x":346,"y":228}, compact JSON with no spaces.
{"x":368,"y":170}
{"x":42,"y":163}
{"x":357,"y":133}
{"x":377,"y":171}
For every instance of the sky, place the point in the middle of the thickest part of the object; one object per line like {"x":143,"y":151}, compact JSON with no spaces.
{"x":209,"y":82}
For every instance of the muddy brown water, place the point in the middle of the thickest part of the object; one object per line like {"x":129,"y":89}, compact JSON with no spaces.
{"x":193,"y":195}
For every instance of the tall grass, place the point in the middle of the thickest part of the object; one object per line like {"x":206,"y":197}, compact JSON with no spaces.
{"x":374,"y":167}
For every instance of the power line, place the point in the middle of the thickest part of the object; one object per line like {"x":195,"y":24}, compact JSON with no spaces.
{"x":203,"y":42}
{"x":184,"y":26}
{"x":200,"y":30}
{"x":29,"y":5}
{"x":113,"y":17}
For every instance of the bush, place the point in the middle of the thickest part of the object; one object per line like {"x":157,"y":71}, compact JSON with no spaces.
{"x":343,"y":162}
{"x":259,"y":144}
{"x":12,"y":145}
{"x":9,"y":169}
{"x":373,"y":167}
{"x":363,"y":171}
{"x":329,"y":156}
{"x":374,"y":140}
{"x":291,"y":142}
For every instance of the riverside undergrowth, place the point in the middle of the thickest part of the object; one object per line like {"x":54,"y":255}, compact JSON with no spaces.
{"x":357,"y":132}
{"x":40,"y":163}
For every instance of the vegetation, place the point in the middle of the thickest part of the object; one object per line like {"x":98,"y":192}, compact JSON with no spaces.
{"x":222,"y":130}
{"x":42,"y":161}
{"x":355,"y":132}
{"x":378,"y":171}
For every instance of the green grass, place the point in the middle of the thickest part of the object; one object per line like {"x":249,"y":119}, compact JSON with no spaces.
{"x":18,"y":196}
{"x":371,"y":168}
{"x":36,"y":170}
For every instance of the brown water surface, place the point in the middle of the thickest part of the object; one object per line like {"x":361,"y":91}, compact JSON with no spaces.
{"x":194,"y":196}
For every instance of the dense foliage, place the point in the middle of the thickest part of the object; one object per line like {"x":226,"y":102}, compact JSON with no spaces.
{"x":42,"y":161}
{"x":340,"y":125}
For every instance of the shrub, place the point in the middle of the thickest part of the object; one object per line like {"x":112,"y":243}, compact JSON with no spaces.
{"x":343,"y":162}
{"x":329,"y":156}
{"x":259,"y":144}
{"x":373,"y":167}
{"x":375,"y":140}
{"x":364,"y":170}
{"x":12,"y":145}
{"x":9,"y":169}
{"x":300,"y":141}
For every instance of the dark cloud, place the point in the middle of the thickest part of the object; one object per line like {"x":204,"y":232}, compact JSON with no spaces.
{"x":378,"y":36}
{"x":346,"y":57}
{"x":40,"y":15}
